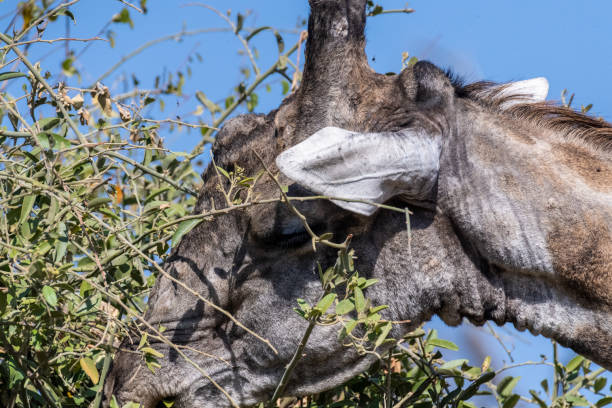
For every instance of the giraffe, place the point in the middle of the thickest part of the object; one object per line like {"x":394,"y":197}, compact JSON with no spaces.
{"x":511,"y":202}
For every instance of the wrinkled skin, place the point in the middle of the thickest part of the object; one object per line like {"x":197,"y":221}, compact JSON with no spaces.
{"x":255,"y":263}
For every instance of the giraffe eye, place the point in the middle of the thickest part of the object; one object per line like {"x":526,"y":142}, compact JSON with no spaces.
{"x":289,"y":236}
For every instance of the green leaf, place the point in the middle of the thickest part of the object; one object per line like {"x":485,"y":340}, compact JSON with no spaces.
{"x":350,"y":325}
{"x":257,"y":31}
{"x":443,"y":344}
{"x":210,"y":105}
{"x":604,"y":401}
{"x":304,"y":306}
{"x":15,"y":373}
{"x":511,"y":401}
{"x":537,"y":399}
{"x":183,"y":228}
{"x":50,"y":296}
{"x":60,"y":142}
{"x":98,"y":201}
{"x":359,"y":300}
{"x":378,"y":309}
{"x":383,"y":334}
{"x":84,"y":288}
{"x":473,"y":387}
{"x":326,"y":237}
{"x":143,"y":340}
{"x":155,"y":206}
{"x":453,"y":363}
{"x":506,"y":385}
{"x":26,"y":208}
{"x":156,"y":192}
{"x":88,"y":365}
{"x":152,"y":351}
{"x":574,"y":363}
{"x":326,"y":302}
{"x":280,"y":43}
{"x":123,"y":17}
{"x":91,"y":303}
{"x":10,"y":75}
{"x":223,"y":171}
{"x":285,"y":86}
{"x":577,"y":400}
{"x":69,"y":14}
{"x":376,"y":11}
{"x":62,"y":242}
{"x":42,"y":248}
{"x":48,"y":123}
{"x":239,"y":23}
{"x":64,"y":12}
{"x":367,"y":283}
{"x":544,"y":384}
{"x":3,"y":302}
{"x":344,"y":306}
{"x":373,"y":318}
{"x":252,"y":102}
{"x":600,"y":383}
{"x":43,"y":140}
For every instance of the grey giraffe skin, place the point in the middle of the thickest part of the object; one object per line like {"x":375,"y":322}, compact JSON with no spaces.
{"x":512,"y":222}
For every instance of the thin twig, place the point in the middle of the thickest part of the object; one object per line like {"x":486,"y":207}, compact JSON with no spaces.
{"x":40,"y":40}
{"x":234,"y":28}
{"x":151,"y":43}
{"x":296,"y":74}
{"x":165,"y":340}
{"x":524,"y":363}
{"x":315,"y":238}
{"x":387,"y":393}
{"x":394,"y":11}
{"x":499,"y":340}
{"x":273,"y":69}
{"x":280,"y":388}
{"x":555,"y":391}
{"x":43,"y":17}
{"x":185,"y":286}
{"x":105,"y":368}
{"x":39,"y":78}
{"x":178,"y":122}
{"x":131,"y":5}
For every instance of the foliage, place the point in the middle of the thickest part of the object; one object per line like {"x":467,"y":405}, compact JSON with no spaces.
{"x":92,"y":201}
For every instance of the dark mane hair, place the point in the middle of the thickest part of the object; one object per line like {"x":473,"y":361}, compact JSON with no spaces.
{"x":549,"y":115}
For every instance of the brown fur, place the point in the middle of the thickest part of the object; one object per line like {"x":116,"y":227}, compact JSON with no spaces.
{"x":512,"y":186}
{"x":582,"y":255}
{"x":590,"y":338}
{"x":594,"y":171}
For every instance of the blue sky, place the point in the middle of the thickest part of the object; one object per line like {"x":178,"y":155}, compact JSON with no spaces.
{"x":568,"y":42}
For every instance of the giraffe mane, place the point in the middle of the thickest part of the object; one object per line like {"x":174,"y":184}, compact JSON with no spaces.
{"x":550,"y":115}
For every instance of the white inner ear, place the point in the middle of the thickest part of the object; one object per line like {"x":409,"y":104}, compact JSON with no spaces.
{"x":364,"y":166}
{"x":528,"y":91}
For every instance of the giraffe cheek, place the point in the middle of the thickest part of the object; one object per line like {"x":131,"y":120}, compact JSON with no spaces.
{"x":582,"y":256}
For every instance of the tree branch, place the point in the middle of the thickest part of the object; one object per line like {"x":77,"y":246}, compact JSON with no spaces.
{"x":151,"y":43}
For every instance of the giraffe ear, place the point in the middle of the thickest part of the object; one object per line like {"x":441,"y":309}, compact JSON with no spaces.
{"x":527,"y":91}
{"x":361,"y":167}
